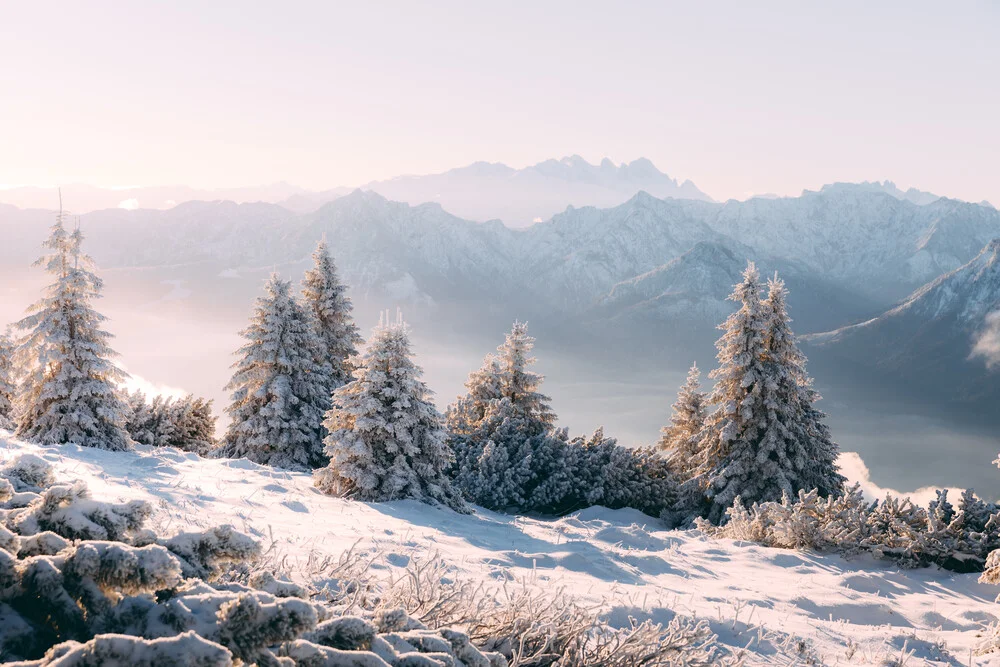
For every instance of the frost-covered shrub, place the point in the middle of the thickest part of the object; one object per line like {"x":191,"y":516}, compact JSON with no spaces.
{"x":893,"y":529}
{"x":203,"y":554}
{"x":186,"y":650}
{"x":28,"y":473}
{"x":70,"y":512}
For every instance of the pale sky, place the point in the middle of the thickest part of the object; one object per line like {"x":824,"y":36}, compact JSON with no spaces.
{"x":739,"y":97}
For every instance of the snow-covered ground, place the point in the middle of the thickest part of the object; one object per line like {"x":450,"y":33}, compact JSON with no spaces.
{"x":846,"y":611}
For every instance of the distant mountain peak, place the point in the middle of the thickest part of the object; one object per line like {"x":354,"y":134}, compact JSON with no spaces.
{"x":912,"y":195}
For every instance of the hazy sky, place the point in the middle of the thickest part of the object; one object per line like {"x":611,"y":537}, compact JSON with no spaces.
{"x":739,"y":97}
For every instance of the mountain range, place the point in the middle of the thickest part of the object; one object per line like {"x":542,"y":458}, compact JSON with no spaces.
{"x":483,"y":190}
{"x":650,"y":272}
{"x":480,"y":191}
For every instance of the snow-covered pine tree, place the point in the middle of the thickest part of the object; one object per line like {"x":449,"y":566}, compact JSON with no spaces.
{"x":484,"y":386}
{"x":503,"y":375}
{"x":501,"y":421}
{"x":679,"y":440}
{"x":386,"y":439}
{"x":818,"y":467}
{"x":68,"y":392}
{"x":518,"y":383}
{"x":8,"y":382}
{"x":326,"y":299}
{"x":279,"y":387}
{"x":765,"y":439}
{"x":736,"y":424}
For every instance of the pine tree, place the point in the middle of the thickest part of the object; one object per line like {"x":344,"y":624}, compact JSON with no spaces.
{"x":817,"y":468}
{"x":765,"y":440}
{"x":735,"y":426}
{"x":680,"y":440}
{"x":326,"y":299}
{"x":503,"y":420}
{"x":519,"y":384}
{"x":8,"y":383}
{"x":278,"y":387}
{"x":504,"y":374}
{"x":69,"y":392}
{"x":386,"y":439}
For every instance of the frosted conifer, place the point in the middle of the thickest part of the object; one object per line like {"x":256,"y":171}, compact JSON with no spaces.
{"x":765,"y":440}
{"x":500,"y":430}
{"x":736,"y":422}
{"x":803,"y":421}
{"x":326,"y":298}
{"x":68,"y":392}
{"x":8,"y":383}
{"x":504,"y":374}
{"x":519,"y":384}
{"x":386,"y":439}
{"x":279,"y":388}
{"x":679,"y":440}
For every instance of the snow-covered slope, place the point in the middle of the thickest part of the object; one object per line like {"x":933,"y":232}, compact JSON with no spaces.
{"x":869,"y":240}
{"x":927,"y":339}
{"x":961,"y":299}
{"x":691,"y":292}
{"x":848,"y":612}
{"x":692,"y":286}
{"x":578,"y":255}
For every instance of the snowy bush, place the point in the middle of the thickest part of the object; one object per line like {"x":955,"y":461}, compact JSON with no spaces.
{"x":185,"y":650}
{"x":510,"y":457}
{"x":70,"y":512}
{"x":28,"y":473}
{"x":520,"y":624}
{"x":186,"y":423}
{"x":893,"y":529}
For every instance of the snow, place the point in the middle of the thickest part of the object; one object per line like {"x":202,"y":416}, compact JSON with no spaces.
{"x":850,"y":611}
